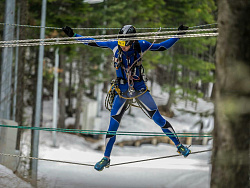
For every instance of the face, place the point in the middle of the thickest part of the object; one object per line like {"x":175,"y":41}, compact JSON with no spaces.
{"x":125,"y":48}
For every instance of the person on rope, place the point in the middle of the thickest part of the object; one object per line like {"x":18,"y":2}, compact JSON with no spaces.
{"x":130,"y":83}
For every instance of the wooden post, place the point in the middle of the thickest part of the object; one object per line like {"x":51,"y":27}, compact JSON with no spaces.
{"x":189,"y":140}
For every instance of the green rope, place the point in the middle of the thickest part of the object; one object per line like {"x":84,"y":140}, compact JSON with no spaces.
{"x":96,"y":132}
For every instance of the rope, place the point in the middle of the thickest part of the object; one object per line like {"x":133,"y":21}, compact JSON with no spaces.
{"x":156,"y":158}
{"x":107,"y":36}
{"x":84,"y":164}
{"x":129,"y":69}
{"x":128,"y":98}
{"x":95,"y":28}
{"x":42,"y":159}
{"x":110,"y":99}
{"x":102,"y":40}
{"x":111,"y":132}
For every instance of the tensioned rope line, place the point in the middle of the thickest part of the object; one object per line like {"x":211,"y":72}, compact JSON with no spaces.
{"x":111,"y":132}
{"x":95,"y":28}
{"x":87,"y":41}
{"x":156,"y":158}
{"x":84,"y":164}
{"x":42,"y":159}
{"x":108,"y":36}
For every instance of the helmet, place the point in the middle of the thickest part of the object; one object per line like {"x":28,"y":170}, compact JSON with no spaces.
{"x":126,"y":29}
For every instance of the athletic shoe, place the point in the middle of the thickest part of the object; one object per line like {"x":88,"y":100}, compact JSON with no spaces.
{"x":105,"y":162}
{"x":183,"y":150}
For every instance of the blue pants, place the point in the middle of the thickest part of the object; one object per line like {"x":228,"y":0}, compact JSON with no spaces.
{"x":148,"y":104}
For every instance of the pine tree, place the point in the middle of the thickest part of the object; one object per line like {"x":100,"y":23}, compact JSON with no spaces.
{"x":230,"y":160}
{"x":188,"y":57}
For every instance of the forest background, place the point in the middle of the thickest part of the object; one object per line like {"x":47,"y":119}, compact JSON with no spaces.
{"x":186,"y":71}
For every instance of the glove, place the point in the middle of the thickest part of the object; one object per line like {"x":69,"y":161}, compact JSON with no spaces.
{"x":68,"y":31}
{"x":182,"y":27}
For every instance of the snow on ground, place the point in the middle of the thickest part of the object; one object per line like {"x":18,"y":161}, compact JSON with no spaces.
{"x":176,"y":172}
{"x":193,"y":171}
{"x":10,"y":180}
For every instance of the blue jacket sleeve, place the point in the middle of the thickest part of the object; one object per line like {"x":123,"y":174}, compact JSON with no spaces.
{"x":106,"y":44}
{"x":158,"y":46}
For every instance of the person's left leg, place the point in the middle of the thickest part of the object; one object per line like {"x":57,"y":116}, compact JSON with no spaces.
{"x":148,"y":104}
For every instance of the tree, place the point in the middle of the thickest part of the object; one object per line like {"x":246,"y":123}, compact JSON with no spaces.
{"x":188,"y":63}
{"x":21,"y":70}
{"x":59,"y":14}
{"x":230,"y":160}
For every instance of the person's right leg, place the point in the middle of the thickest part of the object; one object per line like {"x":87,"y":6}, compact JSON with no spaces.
{"x":117,"y":111}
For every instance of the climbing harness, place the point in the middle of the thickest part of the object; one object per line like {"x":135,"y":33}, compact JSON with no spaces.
{"x":130,"y":75}
{"x":115,"y":90}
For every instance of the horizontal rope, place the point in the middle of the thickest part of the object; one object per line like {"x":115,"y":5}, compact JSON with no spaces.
{"x":84,"y":164}
{"x":42,"y":159}
{"x":88,"y":41}
{"x":107,"y":36}
{"x":96,"y":132}
{"x":156,"y":158}
{"x":95,"y":28}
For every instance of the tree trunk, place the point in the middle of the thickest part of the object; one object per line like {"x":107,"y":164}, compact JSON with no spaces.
{"x":61,"y":120}
{"x":34,"y":86}
{"x":79,"y":95}
{"x":166,"y":109}
{"x":230,"y":160}
{"x":69,"y":108}
{"x":20,"y":74}
{"x":171,"y":79}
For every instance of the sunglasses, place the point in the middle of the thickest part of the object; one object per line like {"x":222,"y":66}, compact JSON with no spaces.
{"x":124,"y":43}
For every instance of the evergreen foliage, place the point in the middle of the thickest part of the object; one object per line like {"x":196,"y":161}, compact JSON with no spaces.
{"x":184,"y":70}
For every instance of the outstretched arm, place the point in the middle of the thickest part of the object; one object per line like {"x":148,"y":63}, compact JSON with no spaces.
{"x":105,"y":44}
{"x":159,"y":46}
{"x":163,"y":45}
{"x":68,"y":31}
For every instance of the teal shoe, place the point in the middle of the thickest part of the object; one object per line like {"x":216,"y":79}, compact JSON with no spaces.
{"x":105,"y":162}
{"x":183,"y":150}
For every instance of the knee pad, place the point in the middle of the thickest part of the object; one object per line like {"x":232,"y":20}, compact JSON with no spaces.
{"x":167,"y":125}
